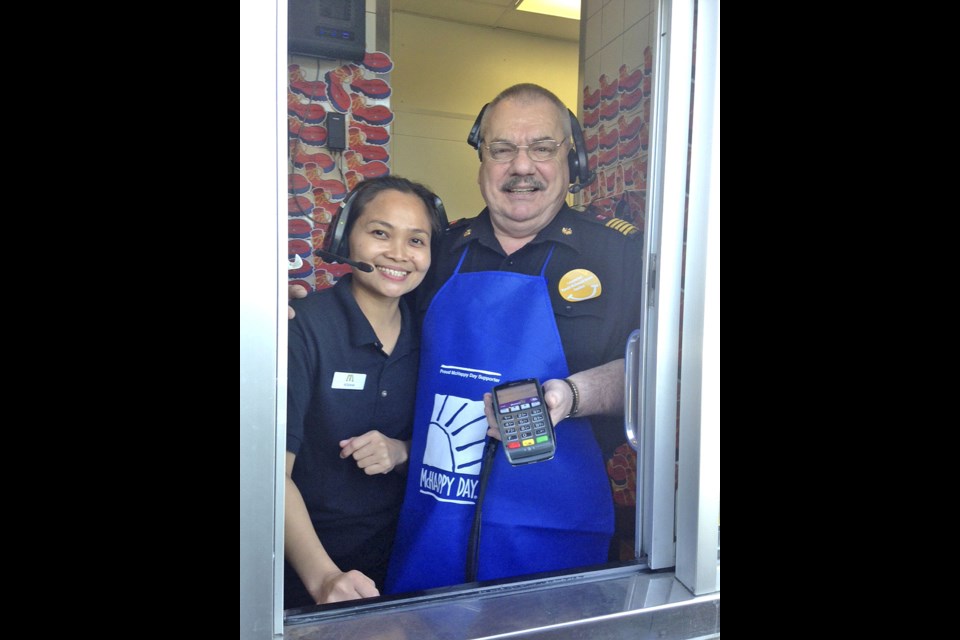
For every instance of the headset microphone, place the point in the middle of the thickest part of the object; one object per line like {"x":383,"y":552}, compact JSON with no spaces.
{"x":576,"y":188}
{"x":363,"y":266}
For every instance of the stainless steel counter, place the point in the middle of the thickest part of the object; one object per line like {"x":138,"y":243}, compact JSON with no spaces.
{"x":623,"y":602}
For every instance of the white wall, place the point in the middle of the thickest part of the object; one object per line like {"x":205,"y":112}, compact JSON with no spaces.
{"x":444,"y":72}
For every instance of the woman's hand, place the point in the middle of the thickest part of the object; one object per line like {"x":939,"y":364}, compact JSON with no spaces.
{"x":375,"y":453}
{"x":337,"y":586}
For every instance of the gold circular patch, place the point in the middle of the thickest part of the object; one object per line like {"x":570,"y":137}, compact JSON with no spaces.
{"x":578,"y":285}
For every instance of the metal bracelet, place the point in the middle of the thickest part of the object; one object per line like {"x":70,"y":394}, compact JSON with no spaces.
{"x":576,"y":398}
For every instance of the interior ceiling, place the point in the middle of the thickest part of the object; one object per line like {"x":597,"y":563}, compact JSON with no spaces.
{"x":498,"y":14}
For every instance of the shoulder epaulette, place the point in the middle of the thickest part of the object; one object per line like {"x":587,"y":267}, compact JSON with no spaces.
{"x":622,"y":226}
{"x":458,"y":225}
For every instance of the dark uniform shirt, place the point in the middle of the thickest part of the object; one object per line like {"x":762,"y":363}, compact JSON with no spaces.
{"x":331,"y":345}
{"x":594,"y":331}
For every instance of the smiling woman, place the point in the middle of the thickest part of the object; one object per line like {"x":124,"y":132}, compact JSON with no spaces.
{"x":353,"y":356}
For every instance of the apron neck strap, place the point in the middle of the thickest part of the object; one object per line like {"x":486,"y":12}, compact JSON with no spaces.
{"x":462,"y":258}
{"x":546,"y":261}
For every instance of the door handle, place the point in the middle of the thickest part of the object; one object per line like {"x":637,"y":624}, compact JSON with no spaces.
{"x":632,"y":394}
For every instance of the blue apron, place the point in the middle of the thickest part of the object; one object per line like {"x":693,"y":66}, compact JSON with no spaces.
{"x":482,"y":329}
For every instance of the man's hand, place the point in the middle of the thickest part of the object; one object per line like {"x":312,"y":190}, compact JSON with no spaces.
{"x":294,"y":291}
{"x":556,"y":394}
{"x":559,"y":399}
{"x":492,"y":430}
{"x":375,"y":453}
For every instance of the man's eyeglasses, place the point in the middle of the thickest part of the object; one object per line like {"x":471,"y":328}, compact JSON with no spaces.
{"x":539,"y":151}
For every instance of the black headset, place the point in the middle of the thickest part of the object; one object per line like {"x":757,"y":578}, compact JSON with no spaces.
{"x":336,"y":241}
{"x":580,"y":174}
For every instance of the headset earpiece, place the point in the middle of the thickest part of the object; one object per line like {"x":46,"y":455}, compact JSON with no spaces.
{"x":580,"y":175}
{"x":474,"y":138}
{"x":441,"y":215}
{"x":336,"y":241}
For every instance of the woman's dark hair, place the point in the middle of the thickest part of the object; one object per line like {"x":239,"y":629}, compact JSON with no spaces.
{"x":367,"y":190}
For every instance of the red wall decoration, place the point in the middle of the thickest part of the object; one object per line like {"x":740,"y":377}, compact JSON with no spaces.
{"x":320,"y":178}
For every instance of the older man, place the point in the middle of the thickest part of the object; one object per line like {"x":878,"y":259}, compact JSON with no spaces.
{"x":529,"y":288}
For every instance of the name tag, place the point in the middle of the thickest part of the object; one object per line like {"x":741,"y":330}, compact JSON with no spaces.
{"x":343,"y":380}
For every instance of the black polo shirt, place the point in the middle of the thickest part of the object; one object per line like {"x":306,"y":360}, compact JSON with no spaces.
{"x":594,"y":331}
{"x":331,"y":347}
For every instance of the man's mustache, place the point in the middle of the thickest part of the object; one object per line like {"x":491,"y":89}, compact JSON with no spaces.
{"x":519,"y":181}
